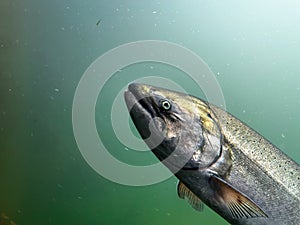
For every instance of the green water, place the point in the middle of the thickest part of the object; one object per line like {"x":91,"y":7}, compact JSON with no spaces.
{"x":45,"y":47}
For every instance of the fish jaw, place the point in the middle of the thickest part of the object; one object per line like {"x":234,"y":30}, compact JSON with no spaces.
{"x":142,"y":113}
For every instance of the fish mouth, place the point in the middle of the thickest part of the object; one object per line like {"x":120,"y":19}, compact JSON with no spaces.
{"x":138,"y":100}
{"x":141,"y":107}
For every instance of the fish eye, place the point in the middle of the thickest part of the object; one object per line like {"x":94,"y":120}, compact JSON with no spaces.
{"x":166,"y":105}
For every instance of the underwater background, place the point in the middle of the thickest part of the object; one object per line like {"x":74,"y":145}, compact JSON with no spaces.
{"x":45,"y":46}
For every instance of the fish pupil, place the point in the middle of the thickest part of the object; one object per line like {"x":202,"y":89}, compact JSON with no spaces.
{"x":166,"y":105}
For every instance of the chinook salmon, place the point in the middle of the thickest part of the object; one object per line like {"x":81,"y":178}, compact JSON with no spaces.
{"x":218,"y":159}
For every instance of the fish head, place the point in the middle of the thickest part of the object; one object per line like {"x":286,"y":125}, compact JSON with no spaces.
{"x":180,"y":129}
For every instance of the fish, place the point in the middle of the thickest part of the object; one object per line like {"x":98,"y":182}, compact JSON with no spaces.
{"x":219,"y":160}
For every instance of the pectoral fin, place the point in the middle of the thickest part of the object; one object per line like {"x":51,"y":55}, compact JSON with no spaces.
{"x":239,"y":204}
{"x":185,"y":193}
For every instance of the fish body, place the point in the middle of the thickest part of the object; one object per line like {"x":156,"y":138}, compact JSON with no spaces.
{"x":218,"y":159}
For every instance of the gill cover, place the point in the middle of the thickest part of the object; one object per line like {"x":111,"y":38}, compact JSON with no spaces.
{"x":209,"y":148}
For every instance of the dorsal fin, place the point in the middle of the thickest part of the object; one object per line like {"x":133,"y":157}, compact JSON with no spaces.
{"x":185,"y":193}
{"x":238,"y":203}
